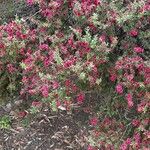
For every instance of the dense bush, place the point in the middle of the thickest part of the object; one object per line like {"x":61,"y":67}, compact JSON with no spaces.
{"x":78,"y":47}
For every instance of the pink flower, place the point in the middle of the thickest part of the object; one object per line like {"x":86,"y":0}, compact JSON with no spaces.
{"x":125,"y":144}
{"x":146,"y":121}
{"x":113,"y":77}
{"x":146,"y":7}
{"x":67,"y":83}
{"x":22,"y":114}
{"x":36,"y":104}
{"x":68,"y":63}
{"x":141,"y":107}
{"x":119,"y":89}
{"x":94,"y":121}
{"x":45,"y":90}
{"x":45,"y":93}
{"x":30,"y":2}
{"x":130,"y":77}
{"x":44,"y":47}
{"x":48,"y":13}
{"x":32,"y":92}
{"x":46,"y":62}
{"x":138,"y":49}
{"x":107,"y":121}
{"x":129,"y":100}
{"x":133,"y":32}
{"x":102,"y":38}
{"x":55,"y":85}
{"x":24,"y":79}
{"x":58,"y":103}
{"x":77,"y":12}
{"x":80,"y":98}
{"x":97,"y":2}
{"x":128,"y":141}
{"x":90,"y":148}
{"x":135,"y":122}
{"x":11,"y":68}
{"x":124,"y":147}
{"x":137,"y":138}
{"x":74,"y":88}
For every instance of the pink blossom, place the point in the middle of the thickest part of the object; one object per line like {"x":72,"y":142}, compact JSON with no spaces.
{"x":64,"y":49}
{"x":44,"y":47}
{"x":45,"y":93}
{"x":85,"y":47}
{"x":141,"y":107}
{"x":30,"y":2}
{"x":32,"y":92}
{"x":129,"y":100}
{"x":22,"y":114}
{"x":45,"y":90}
{"x":137,"y":138}
{"x":138,"y":49}
{"x":128,"y":141}
{"x":11,"y":68}
{"x":107,"y":121}
{"x":146,"y":7}
{"x":113,"y":77}
{"x":124,"y":147}
{"x":67,"y":83}
{"x":2,"y":53}
{"x":36,"y":104}
{"x":94,"y":121}
{"x":46,"y":62}
{"x":135,"y":122}
{"x":48,"y":13}
{"x":77,"y":12}
{"x":55,"y":85}
{"x":146,"y":121}
{"x":119,"y":89}
{"x":90,"y":148}
{"x":80,"y":98}
{"x":74,"y":88}
{"x":68,"y":63}
{"x":130,"y":77}
{"x":2,"y":46}
{"x":133,"y":32}
{"x":58,"y":103}
{"x":102,"y":38}
{"x":97,"y":2}
{"x":70,"y":41}
{"x":125,"y":144}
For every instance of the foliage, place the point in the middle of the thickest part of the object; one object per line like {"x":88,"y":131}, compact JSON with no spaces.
{"x":83,"y":46}
{"x":5,"y":122}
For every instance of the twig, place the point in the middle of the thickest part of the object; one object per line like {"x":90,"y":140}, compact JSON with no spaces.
{"x":33,"y":15}
{"x":13,"y":130}
{"x":124,"y":132}
{"x":37,"y":147}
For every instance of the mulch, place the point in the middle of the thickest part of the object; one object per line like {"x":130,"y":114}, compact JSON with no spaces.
{"x":47,"y":131}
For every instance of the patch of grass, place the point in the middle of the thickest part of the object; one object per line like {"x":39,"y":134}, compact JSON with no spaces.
{"x":5,"y":122}
{"x":8,"y":9}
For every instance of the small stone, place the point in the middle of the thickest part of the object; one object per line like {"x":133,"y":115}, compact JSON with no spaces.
{"x":8,"y":107}
{"x":17,"y":103}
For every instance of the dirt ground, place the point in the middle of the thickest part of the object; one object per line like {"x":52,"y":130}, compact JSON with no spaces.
{"x":47,"y":131}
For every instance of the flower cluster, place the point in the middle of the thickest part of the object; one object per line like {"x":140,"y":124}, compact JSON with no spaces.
{"x":81,"y":46}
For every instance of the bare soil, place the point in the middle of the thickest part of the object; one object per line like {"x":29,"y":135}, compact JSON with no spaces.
{"x":47,"y":131}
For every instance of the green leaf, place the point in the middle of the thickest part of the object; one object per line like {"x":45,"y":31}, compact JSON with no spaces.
{"x":94,"y":42}
{"x":23,"y":65}
{"x":53,"y":104}
{"x":5,"y":122}
{"x":58,"y":58}
{"x":82,"y":76}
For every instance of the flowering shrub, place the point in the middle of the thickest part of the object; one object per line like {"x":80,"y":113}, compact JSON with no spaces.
{"x":84,"y":46}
